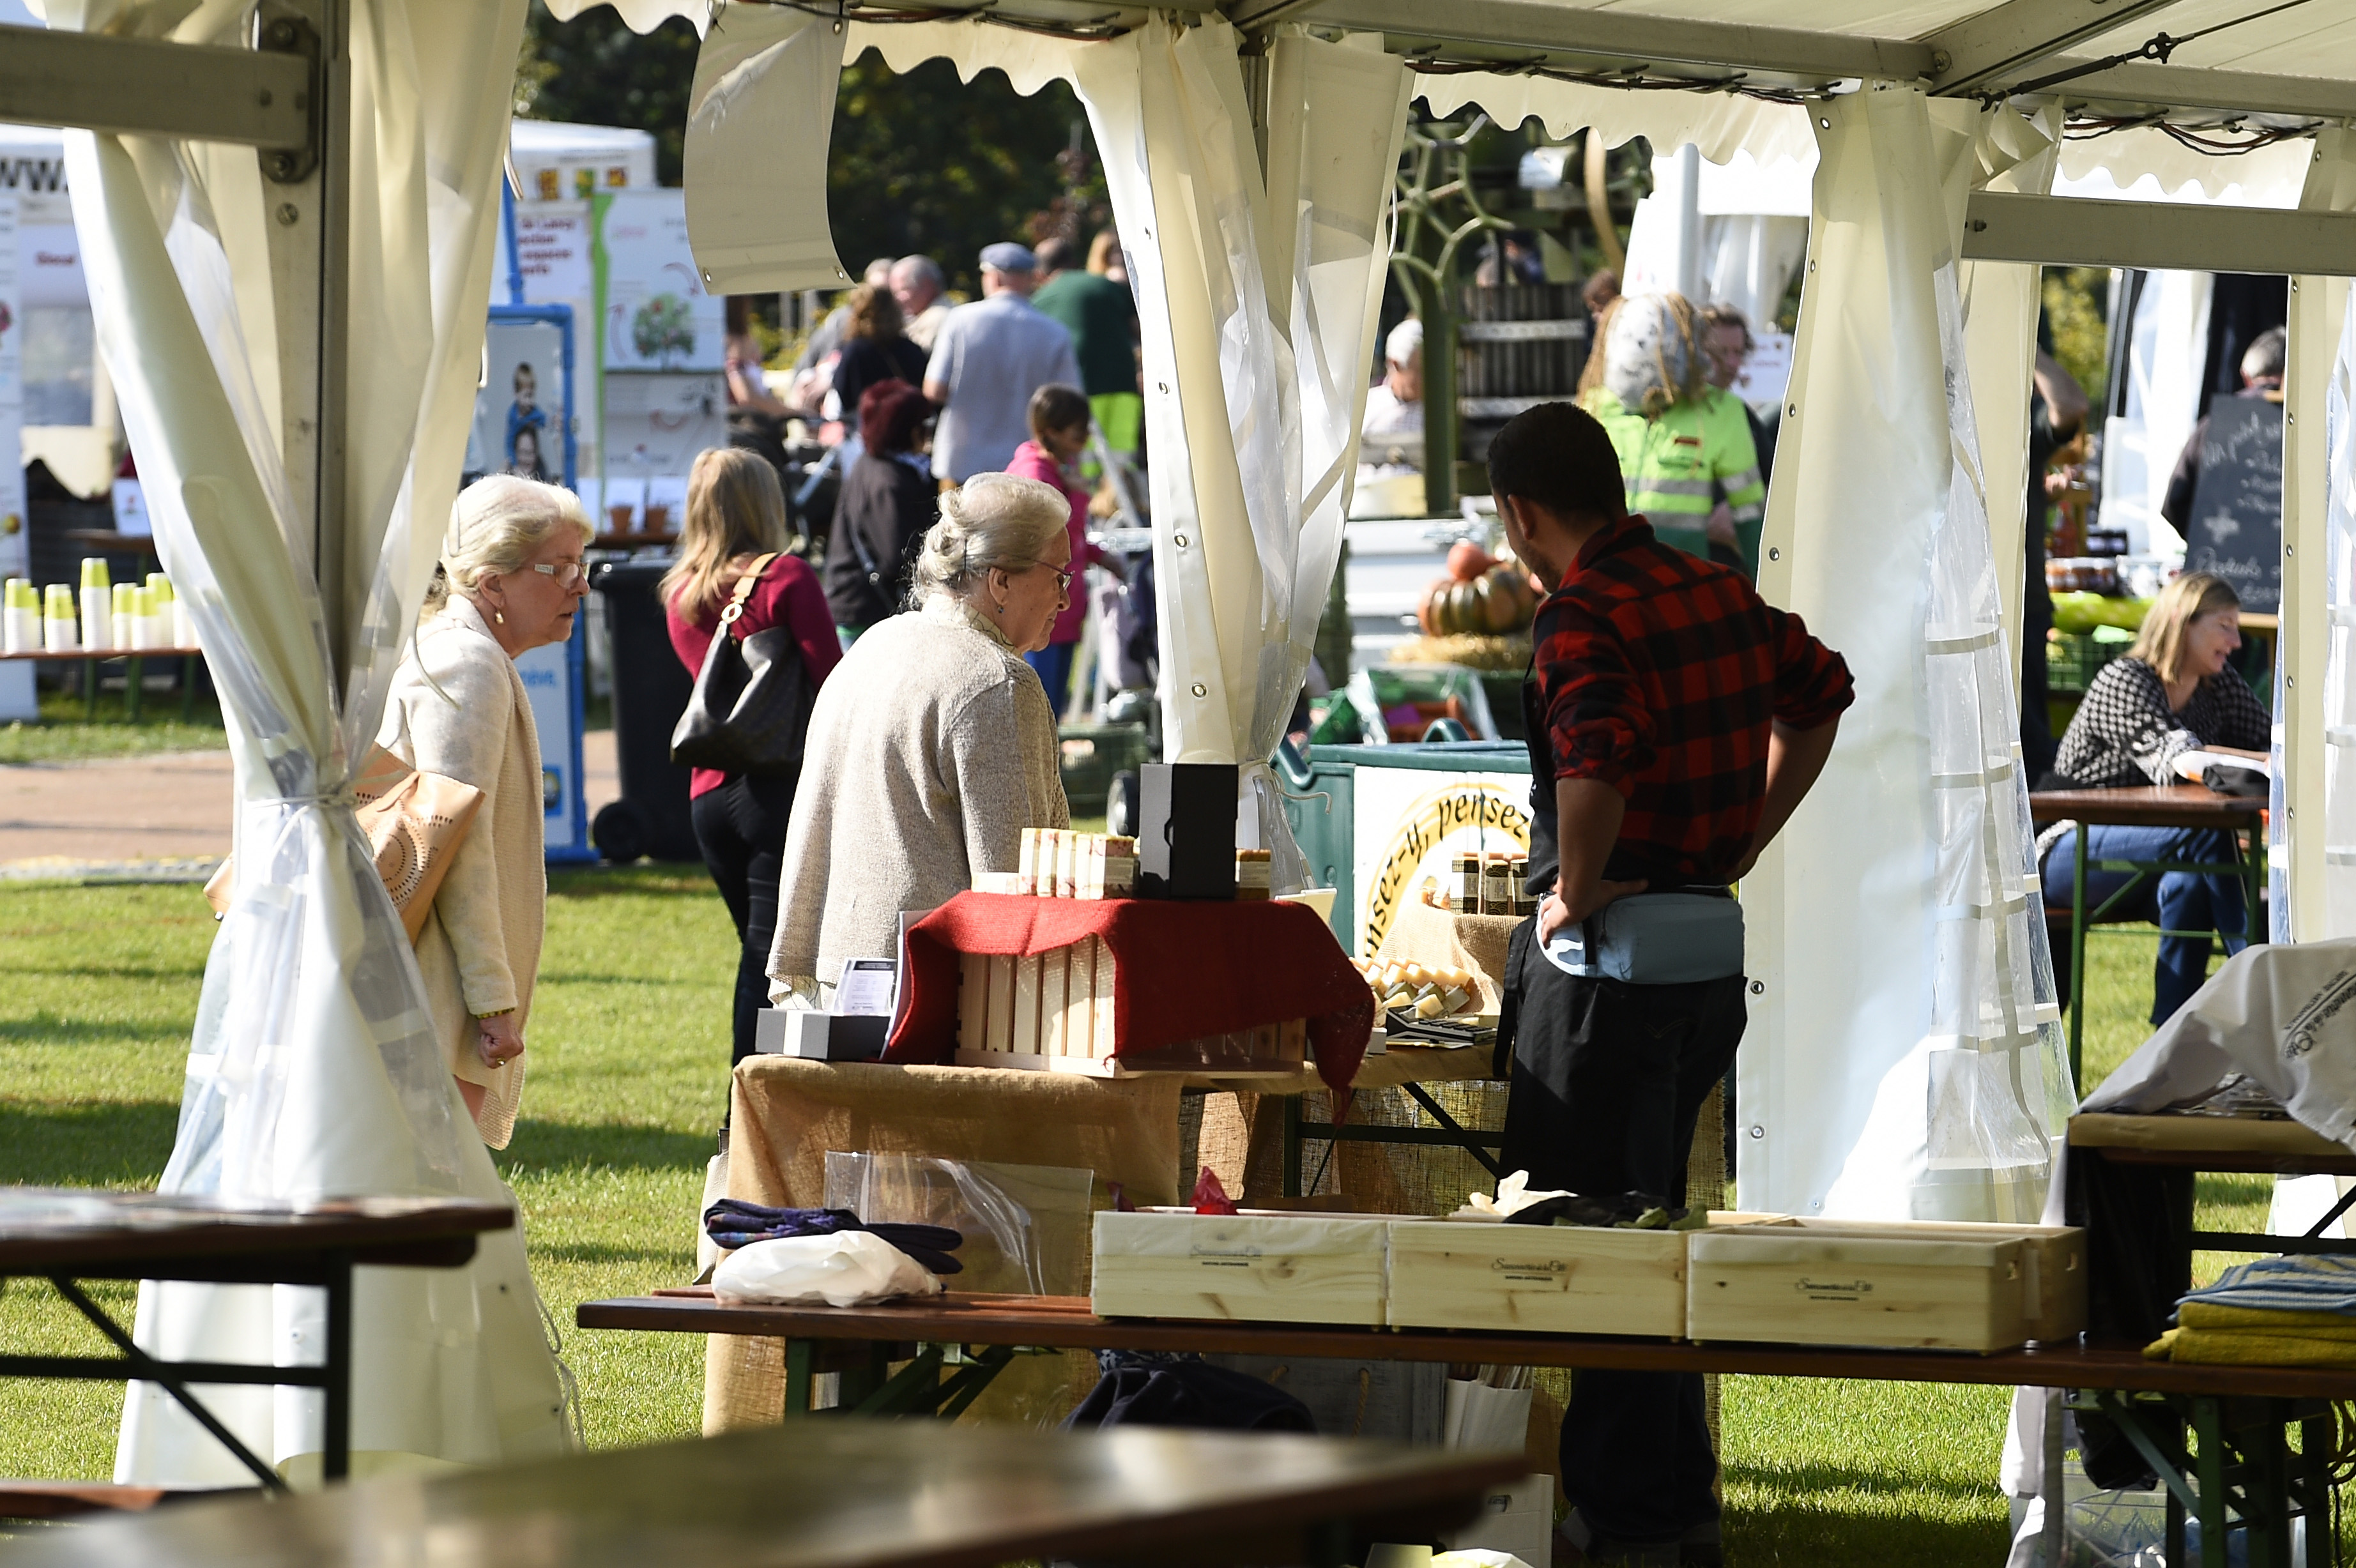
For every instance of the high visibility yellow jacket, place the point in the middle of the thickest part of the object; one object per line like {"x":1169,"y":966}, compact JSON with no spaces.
{"x":1669,"y":464}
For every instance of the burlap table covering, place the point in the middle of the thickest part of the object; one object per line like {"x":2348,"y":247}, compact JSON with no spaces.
{"x":788,"y":1113}
{"x":1422,"y":934}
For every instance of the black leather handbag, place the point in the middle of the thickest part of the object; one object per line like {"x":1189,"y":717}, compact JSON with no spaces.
{"x":751,"y":709}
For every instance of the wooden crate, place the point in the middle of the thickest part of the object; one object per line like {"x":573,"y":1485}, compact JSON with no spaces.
{"x":1259,"y":1266}
{"x":1052,"y":1012}
{"x":1554,"y":1279}
{"x":1893,"y":1285}
{"x":2054,"y":1259}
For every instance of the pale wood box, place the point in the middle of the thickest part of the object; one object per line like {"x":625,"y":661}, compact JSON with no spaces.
{"x":1554,"y":1279}
{"x":1924,"y":1285}
{"x":1259,"y":1266}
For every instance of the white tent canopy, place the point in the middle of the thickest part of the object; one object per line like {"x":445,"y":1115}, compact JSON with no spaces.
{"x":1903,"y":1056}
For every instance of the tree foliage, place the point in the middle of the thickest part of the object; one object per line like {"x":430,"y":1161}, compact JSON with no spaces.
{"x":919,"y":163}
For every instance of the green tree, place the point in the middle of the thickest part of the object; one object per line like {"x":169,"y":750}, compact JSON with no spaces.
{"x":918,"y":163}
{"x":925,"y":163}
{"x":2076,"y":300}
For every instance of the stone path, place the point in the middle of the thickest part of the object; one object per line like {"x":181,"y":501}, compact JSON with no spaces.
{"x":155,"y":818}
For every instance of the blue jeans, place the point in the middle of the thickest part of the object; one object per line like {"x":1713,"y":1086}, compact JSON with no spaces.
{"x":2187,"y":901}
{"x":1054,"y":664}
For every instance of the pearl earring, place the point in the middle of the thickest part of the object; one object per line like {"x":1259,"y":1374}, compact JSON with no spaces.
{"x":500,"y":616}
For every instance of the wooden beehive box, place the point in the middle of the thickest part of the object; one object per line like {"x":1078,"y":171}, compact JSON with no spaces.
{"x":1259,"y":1266}
{"x":1553,"y":1279}
{"x":1052,"y":1012}
{"x":1907,"y":1287}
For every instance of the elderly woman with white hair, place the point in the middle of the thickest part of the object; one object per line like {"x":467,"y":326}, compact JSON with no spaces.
{"x":932,"y":746}
{"x":511,"y":578}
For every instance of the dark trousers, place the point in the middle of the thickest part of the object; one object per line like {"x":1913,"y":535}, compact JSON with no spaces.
{"x":1608,"y":1082}
{"x":740,"y":829}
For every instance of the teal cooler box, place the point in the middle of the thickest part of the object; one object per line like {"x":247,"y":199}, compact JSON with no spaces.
{"x":1376,"y":822}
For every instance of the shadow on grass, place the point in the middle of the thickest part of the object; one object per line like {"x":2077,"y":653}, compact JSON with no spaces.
{"x":1797,"y":1535}
{"x":47,"y":1029}
{"x":562,"y":1145}
{"x":190,"y":971}
{"x":1820,"y":1476}
{"x":649,"y":880}
{"x":114,"y":1144}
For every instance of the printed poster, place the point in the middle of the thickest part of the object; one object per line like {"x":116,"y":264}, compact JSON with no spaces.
{"x":653,"y":312}
{"x":1409,"y":823}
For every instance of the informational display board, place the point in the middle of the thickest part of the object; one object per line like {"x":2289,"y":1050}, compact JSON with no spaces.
{"x":550,"y":256}
{"x":653,"y":314}
{"x":16,"y":698}
{"x":521,"y":415}
{"x":656,"y":424}
{"x":2235,"y":529}
{"x":1410,"y":822}
{"x":554,"y":678}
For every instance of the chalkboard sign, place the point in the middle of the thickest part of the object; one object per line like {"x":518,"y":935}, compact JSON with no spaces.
{"x":2235,"y":529}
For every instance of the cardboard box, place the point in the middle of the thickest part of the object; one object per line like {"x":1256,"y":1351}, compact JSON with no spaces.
{"x":1259,"y":1266}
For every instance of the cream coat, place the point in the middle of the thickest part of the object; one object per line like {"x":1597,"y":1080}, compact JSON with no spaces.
{"x":479,"y":951}
{"x":931,"y":748}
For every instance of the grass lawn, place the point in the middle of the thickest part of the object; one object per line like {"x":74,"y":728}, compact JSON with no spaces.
{"x":630,"y":1042}
{"x":61,"y":735}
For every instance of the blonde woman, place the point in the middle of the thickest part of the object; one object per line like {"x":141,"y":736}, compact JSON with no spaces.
{"x":736,"y":515}
{"x":509,"y":579}
{"x":2174,"y":692}
{"x":932,"y":746}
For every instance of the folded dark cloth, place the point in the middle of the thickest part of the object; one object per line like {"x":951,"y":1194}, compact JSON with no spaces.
{"x":1158,"y":1389}
{"x":1623,"y":1211}
{"x":732,"y":1222}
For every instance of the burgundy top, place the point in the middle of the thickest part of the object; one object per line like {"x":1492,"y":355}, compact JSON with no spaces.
{"x":787,"y":593}
{"x":1033,"y":461}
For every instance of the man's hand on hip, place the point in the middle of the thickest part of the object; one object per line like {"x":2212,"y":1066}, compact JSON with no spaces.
{"x":1555,"y":912}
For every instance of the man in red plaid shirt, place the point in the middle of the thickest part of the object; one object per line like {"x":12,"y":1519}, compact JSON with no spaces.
{"x":1675,"y":720}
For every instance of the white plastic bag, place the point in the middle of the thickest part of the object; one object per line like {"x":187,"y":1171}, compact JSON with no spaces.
{"x":851,"y":1268}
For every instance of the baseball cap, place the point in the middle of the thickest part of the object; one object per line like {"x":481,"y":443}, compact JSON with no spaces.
{"x":1006,"y":256}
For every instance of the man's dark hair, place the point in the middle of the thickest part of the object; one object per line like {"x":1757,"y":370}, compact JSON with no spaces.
{"x":1557,"y":455}
{"x":1056,"y":253}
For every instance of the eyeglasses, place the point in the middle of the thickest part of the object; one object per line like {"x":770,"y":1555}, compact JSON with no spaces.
{"x":1063,"y":575}
{"x":568,"y":573}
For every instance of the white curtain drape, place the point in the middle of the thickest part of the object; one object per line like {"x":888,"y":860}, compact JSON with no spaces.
{"x":314,"y":1071}
{"x":2000,"y":309}
{"x":764,"y":83}
{"x":1905,"y":1059}
{"x":2314,"y":816}
{"x":1256,"y":293}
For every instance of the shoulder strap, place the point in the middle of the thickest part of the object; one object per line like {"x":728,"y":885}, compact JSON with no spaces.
{"x":745,"y":586}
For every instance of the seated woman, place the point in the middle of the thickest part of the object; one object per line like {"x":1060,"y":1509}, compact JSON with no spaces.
{"x":931,"y":747}
{"x":2173,"y":693}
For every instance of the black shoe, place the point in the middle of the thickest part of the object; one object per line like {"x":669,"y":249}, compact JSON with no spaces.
{"x":1604,"y":1549}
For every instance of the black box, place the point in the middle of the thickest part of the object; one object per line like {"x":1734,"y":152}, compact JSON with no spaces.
{"x":1186,"y":830}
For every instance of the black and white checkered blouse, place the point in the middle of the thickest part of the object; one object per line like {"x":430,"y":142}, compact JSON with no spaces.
{"x":2124,"y":734}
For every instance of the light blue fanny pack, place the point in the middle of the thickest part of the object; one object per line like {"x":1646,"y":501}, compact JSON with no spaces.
{"x":1654,"y":939}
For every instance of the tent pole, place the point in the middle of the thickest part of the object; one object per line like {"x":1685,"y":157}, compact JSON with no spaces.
{"x":310,"y":203}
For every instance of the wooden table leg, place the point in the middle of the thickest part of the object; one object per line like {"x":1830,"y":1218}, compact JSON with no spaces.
{"x":336,"y":1461}
{"x":2078,"y":963}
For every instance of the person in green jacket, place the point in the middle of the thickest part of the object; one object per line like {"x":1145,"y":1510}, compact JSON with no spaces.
{"x":1676,"y":434}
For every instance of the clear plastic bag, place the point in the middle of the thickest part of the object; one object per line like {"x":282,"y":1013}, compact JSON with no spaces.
{"x":1027,"y":1226}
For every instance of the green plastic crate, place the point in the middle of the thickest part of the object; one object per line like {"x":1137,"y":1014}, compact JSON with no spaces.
{"x":1092,"y":753}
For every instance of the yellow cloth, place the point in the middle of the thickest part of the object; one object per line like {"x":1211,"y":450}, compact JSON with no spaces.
{"x":2209,"y":1315}
{"x":2251,"y":1348}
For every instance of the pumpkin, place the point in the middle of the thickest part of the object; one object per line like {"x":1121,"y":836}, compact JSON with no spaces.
{"x":1468,"y":561}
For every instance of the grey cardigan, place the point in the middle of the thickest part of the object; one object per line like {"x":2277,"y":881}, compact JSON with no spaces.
{"x":931,"y":748}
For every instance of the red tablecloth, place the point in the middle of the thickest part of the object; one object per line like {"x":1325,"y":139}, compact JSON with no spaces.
{"x":1184,"y":970}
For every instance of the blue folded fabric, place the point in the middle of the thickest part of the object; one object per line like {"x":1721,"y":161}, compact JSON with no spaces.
{"x":2317,"y":1283}
{"x":732,"y":1222}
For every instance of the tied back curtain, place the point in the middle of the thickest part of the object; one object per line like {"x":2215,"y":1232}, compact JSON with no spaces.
{"x":314,"y":1071}
{"x":1906,"y":1059}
